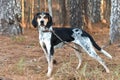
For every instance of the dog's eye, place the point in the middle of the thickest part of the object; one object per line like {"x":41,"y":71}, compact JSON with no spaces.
{"x":39,"y":17}
{"x":45,"y":17}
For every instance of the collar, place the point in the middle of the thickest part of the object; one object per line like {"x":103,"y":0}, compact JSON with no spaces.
{"x":46,"y":30}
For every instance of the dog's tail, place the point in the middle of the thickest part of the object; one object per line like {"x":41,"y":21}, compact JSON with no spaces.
{"x":98,"y":47}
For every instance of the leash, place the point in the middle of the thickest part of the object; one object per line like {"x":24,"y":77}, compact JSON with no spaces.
{"x":62,"y":40}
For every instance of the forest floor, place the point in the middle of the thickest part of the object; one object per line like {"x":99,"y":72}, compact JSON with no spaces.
{"x":21,"y":58}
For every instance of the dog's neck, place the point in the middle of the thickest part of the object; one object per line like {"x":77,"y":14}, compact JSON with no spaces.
{"x":44,"y":33}
{"x":43,"y":29}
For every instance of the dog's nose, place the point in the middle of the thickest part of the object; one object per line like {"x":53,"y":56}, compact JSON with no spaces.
{"x":42,"y":22}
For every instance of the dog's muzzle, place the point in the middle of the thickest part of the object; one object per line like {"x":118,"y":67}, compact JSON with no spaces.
{"x":42,"y":23}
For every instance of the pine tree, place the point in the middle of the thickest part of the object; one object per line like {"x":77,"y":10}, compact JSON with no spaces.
{"x":10,"y":17}
{"x":115,"y":21}
{"x":75,"y":7}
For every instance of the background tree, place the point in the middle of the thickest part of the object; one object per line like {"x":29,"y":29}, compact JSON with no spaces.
{"x":45,"y":3}
{"x":10,"y":16}
{"x":62,"y":12}
{"x":115,"y":21}
{"x":105,"y":11}
{"x":91,"y":12}
{"x":23,"y":15}
{"x":32,"y":10}
{"x":50,"y":7}
{"x":95,"y":10}
{"x":75,"y":8}
{"x":38,"y":5}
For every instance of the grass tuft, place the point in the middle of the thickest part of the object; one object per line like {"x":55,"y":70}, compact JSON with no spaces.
{"x":19,"y":67}
{"x":18,"y":38}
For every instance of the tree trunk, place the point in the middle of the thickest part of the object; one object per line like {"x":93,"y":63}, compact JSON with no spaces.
{"x":75,"y":7}
{"x":50,"y":7}
{"x":45,"y":3}
{"x":23,"y":15}
{"x":63,"y":12}
{"x":115,"y":21}
{"x":10,"y":16}
{"x":105,"y":11}
{"x":38,"y":8}
{"x":93,"y":10}
{"x":32,"y":10}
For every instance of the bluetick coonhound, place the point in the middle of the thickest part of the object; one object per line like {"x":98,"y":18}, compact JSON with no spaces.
{"x":49,"y":41}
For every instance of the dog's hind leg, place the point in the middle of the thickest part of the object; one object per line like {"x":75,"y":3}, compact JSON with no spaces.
{"x":86,"y":44}
{"x":95,"y":56}
{"x":78,"y":55}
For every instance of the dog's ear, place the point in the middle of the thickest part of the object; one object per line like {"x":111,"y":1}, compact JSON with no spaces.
{"x":34,"y":21}
{"x":50,"y":22}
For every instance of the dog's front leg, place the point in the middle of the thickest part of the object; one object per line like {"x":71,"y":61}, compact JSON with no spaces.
{"x":50,"y":52}
{"x":50,"y":65}
{"x":43,"y":46}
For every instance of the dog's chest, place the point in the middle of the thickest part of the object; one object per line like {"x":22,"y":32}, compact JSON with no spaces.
{"x":45,"y":36}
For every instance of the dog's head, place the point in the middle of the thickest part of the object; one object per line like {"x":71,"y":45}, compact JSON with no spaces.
{"x":42,"y":19}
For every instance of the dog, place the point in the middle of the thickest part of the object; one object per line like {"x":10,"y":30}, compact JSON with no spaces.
{"x":49,"y":41}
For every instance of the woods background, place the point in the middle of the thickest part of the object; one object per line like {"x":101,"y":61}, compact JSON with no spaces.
{"x":66,"y":13}
{"x":21,"y":57}
{"x":90,"y":11}
{"x":76,"y":13}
